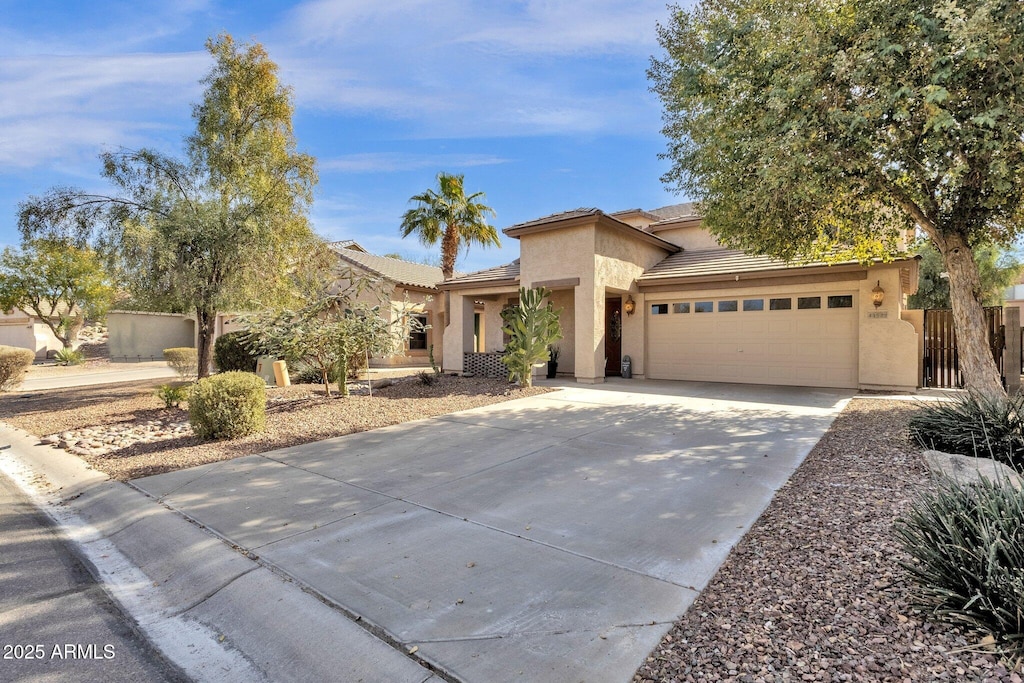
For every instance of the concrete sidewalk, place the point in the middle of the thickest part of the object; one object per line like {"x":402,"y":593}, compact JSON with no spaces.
{"x":553,"y":538}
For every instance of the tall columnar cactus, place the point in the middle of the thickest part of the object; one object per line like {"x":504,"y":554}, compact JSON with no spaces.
{"x":532,"y":327}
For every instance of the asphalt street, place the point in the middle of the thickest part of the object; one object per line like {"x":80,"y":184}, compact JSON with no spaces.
{"x":56,"y":623}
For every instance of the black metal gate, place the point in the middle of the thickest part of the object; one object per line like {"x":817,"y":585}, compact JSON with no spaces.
{"x":941,"y":360}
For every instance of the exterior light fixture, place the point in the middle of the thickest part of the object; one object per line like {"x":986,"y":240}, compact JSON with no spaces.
{"x":629,"y":306}
{"x":878,"y":294}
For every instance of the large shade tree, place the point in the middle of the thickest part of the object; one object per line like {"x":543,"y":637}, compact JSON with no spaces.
{"x":827,"y":127}
{"x":448,"y":216}
{"x":997,"y":269}
{"x":225,"y":228}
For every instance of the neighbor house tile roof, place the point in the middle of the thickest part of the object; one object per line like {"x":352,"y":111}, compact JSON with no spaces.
{"x":396,"y":270}
{"x":505,"y":274}
{"x":673,"y":211}
{"x":347,"y":244}
{"x":714,"y":262}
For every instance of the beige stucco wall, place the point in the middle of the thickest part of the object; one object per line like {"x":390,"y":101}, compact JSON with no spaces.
{"x":134,"y":334}
{"x":458,"y":333}
{"x":690,"y":237}
{"x":24,"y":331}
{"x":916,"y":318}
{"x":888,"y":344}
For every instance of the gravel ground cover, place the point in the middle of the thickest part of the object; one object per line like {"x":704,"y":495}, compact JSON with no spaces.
{"x":814,"y":591}
{"x":295,"y":415}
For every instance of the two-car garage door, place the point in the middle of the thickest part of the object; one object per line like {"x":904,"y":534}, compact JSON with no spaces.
{"x":804,"y":339}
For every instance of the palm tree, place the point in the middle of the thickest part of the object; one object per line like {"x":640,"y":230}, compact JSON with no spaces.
{"x":451,"y":218}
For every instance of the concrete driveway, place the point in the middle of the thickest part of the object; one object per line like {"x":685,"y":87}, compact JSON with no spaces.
{"x":554,"y":538}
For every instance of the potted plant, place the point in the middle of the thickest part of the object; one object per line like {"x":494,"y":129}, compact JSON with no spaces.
{"x":552,"y":361}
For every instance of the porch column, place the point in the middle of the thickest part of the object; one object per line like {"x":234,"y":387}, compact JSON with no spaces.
{"x":458,"y":335}
{"x":589,"y":329}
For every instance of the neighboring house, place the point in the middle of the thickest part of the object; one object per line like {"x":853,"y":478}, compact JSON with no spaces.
{"x":656,"y":286}
{"x":412,"y":291}
{"x":25,"y":330}
{"x":409,"y":287}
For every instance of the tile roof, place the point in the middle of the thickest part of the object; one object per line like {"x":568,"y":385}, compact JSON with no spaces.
{"x":508,"y":273}
{"x":714,"y":262}
{"x":673,"y":211}
{"x":396,"y":270}
{"x":555,"y":217}
{"x":347,"y":244}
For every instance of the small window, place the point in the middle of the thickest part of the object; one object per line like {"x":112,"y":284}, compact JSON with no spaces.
{"x":418,"y":333}
{"x":727,"y":306}
{"x":704,"y":307}
{"x":681,"y":308}
{"x":808,"y":302}
{"x":780,"y":304}
{"x":659,"y":309}
{"x":841,"y":301}
{"x":753,"y":304}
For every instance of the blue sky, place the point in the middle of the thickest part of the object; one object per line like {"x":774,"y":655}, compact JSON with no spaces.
{"x":544,"y":105}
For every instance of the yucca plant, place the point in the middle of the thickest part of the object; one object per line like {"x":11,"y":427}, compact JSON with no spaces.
{"x":967,"y":545}
{"x":69,"y":357}
{"x":971,"y":425}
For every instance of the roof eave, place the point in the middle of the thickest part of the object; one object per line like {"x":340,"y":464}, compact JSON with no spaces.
{"x":644,"y":282}
{"x":594,"y":219}
{"x":481,"y":284}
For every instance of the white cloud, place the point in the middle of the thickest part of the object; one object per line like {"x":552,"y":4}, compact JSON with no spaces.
{"x":383,"y":162}
{"x":61,"y":107}
{"x":464,"y":68}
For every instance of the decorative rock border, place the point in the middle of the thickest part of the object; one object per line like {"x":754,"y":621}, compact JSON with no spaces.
{"x":103,"y":440}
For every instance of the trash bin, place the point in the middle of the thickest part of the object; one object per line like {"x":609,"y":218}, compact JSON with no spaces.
{"x":627,"y":367}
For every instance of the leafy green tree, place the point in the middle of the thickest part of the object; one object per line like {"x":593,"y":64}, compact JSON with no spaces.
{"x":532,"y":327}
{"x":450,"y":217}
{"x":997,"y":270}
{"x":59,"y":283}
{"x":820,"y":128}
{"x":328,"y":333}
{"x":227,"y":228}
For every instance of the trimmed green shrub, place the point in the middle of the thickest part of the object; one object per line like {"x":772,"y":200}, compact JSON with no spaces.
{"x":967,"y":542}
{"x":172,"y":394}
{"x":230,"y":353}
{"x":13,"y":363}
{"x":304,"y":373}
{"x":428,"y":378}
{"x":228,"y":405}
{"x":974,"y":426}
{"x":184,"y":360}
{"x":69,"y":357}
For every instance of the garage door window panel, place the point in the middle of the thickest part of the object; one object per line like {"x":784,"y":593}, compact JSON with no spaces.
{"x":681,"y":307}
{"x":753,"y":304}
{"x":659,"y":309}
{"x":704,"y":307}
{"x":780,"y":304}
{"x":806,"y":303}
{"x":841,"y":301}
{"x":728,"y":306}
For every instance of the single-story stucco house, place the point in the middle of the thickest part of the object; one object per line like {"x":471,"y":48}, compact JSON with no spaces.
{"x":657,"y":286}
{"x":409,"y":290}
{"x":27,"y":331}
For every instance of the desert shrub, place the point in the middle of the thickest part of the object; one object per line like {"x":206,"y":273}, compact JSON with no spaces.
{"x":184,"y":360}
{"x":228,"y":405}
{"x":427,"y":378}
{"x":967,"y":545}
{"x":971,"y":425}
{"x":69,"y":357}
{"x":230,"y":352}
{"x":172,"y":394}
{"x":13,"y":363}
{"x":304,"y":373}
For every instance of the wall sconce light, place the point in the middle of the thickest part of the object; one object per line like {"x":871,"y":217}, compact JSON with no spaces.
{"x":629,"y":306}
{"x":878,"y":294}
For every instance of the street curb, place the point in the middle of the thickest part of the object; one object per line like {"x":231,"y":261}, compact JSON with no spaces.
{"x":212,"y":611}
